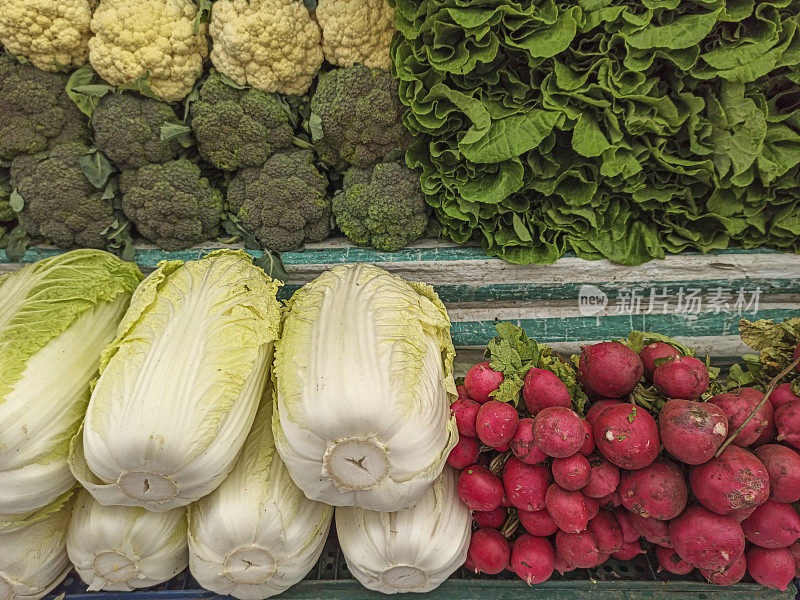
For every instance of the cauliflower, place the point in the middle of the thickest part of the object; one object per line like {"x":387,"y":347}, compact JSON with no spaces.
{"x":283,"y":203}
{"x":127,"y":127}
{"x":381,"y":207}
{"x":172,"y":204}
{"x":271,"y":45}
{"x":356,"y":31}
{"x":35,"y":111}
{"x":238,"y":128}
{"x":360,"y":112}
{"x":156,"y":37}
{"x":61,"y":205}
{"x":49,"y":33}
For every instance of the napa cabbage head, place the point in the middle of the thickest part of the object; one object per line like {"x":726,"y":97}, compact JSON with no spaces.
{"x":180,"y":385}
{"x":256,"y":534}
{"x":364,"y":383}
{"x":57,"y":316}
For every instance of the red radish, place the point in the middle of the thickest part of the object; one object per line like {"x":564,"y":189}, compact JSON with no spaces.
{"x":562,"y":566}
{"x":607,"y":532}
{"x":629,"y":532}
{"x":462,"y":391}
{"x":567,"y":509}
{"x":596,"y":409}
{"x":466,"y":412}
{"x":659,"y":490}
{"x":503,"y":448}
{"x":611,"y":500}
{"x":543,"y":388}
{"x":490,"y":518}
{"x":772,"y":525}
{"x":523,"y":446}
{"x":782,"y":395}
{"x":489,"y":552}
{"x":496,"y":423}
{"x":741,"y":515}
{"x":593,"y":506}
{"x":692,"y":431}
{"x":730,"y":575}
{"x":558,"y":431}
{"x":537,"y":522}
{"x":627,"y":436}
{"x":481,"y":381}
{"x":705,"y":539}
{"x":610,"y":369}
{"x":735,"y":481}
{"x":683,"y":378}
{"x":629,"y":551}
{"x":652,"y":352}
{"x":771,"y":567}
{"x":653,"y":530}
{"x":787,"y":420}
{"x":533,"y":558}
{"x":571,"y":473}
{"x":526,"y":485}
{"x":479,"y":489}
{"x":464,"y":453}
{"x":783,"y":466}
{"x":769,"y":434}
{"x":470,"y":566}
{"x":794,"y":550}
{"x":505,"y":502}
{"x":603,"y":479}
{"x":588,"y":441}
{"x":737,"y":406}
{"x":671,"y":562}
{"x":579,"y":549}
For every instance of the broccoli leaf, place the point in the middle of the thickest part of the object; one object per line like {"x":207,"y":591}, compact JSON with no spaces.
{"x":96,"y":167}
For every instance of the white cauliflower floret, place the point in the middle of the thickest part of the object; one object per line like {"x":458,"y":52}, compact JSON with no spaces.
{"x":135,"y":37}
{"x":49,"y":33}
{"x":356,"y":31}
{"x":271,"y":45}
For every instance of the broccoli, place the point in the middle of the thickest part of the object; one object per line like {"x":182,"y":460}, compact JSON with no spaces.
{"x":60,"y":203}
{"x":238,"y":128}
{"x":283,"y":203}
{"x":172,"y":204}
{"x":127,"y":127}
{"x":35,"y":111}
{"x":6,"y":212}
{"x":381,"y":207}
{"x":360,"y":115}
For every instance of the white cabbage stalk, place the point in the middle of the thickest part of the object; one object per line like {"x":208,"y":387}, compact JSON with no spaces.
{"x":180,"y":384}
{"x":123,"y":548}
{"x":412,"y":550}
{"x":364,"y":385}
{"x":57,"y":315}
{"x":33,"y":559}
{"x":256,"y":534}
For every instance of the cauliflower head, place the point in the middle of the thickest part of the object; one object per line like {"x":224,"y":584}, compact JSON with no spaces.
{"x":156,"y":37}
{"x":382,"y":207}
{"x":360,"y":112}
{"x":238,"y":128}
{"x":356,"y":31}
{"x":61,"y":205}
{"x":172,"y":204}
{"x":283,"y":203}
{"x":271,"y":45}
{"x":35,"y":111}
{"x":127,"y":128}
{"x":49,"y":33}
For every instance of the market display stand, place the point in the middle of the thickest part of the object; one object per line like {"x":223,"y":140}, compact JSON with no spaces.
{"x":698,"y":299}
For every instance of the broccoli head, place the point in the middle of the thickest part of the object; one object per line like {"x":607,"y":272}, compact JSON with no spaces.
{"x":127,"y":127}
{"x":284,"y":202}
{"x":238,"y":128}
{"x":6,"y":212}
{"x":381,"y":207}
{"x":35,"y":111}
{"x":60,"y":204}
{"x":172,"y":204}
{"x":360,"y":113}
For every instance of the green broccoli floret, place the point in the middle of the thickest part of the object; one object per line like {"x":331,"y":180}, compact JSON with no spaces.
{"x":35,"y":111}
{"x":172,"y":204}
{"x":283,"y":203}
{"x":60,"y":204}
{"x":127,"y":127}
{"x":382,"y":207}
{"x":360,"y":115}
{"x":238,"y":128}
{"x":6,"y":212}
